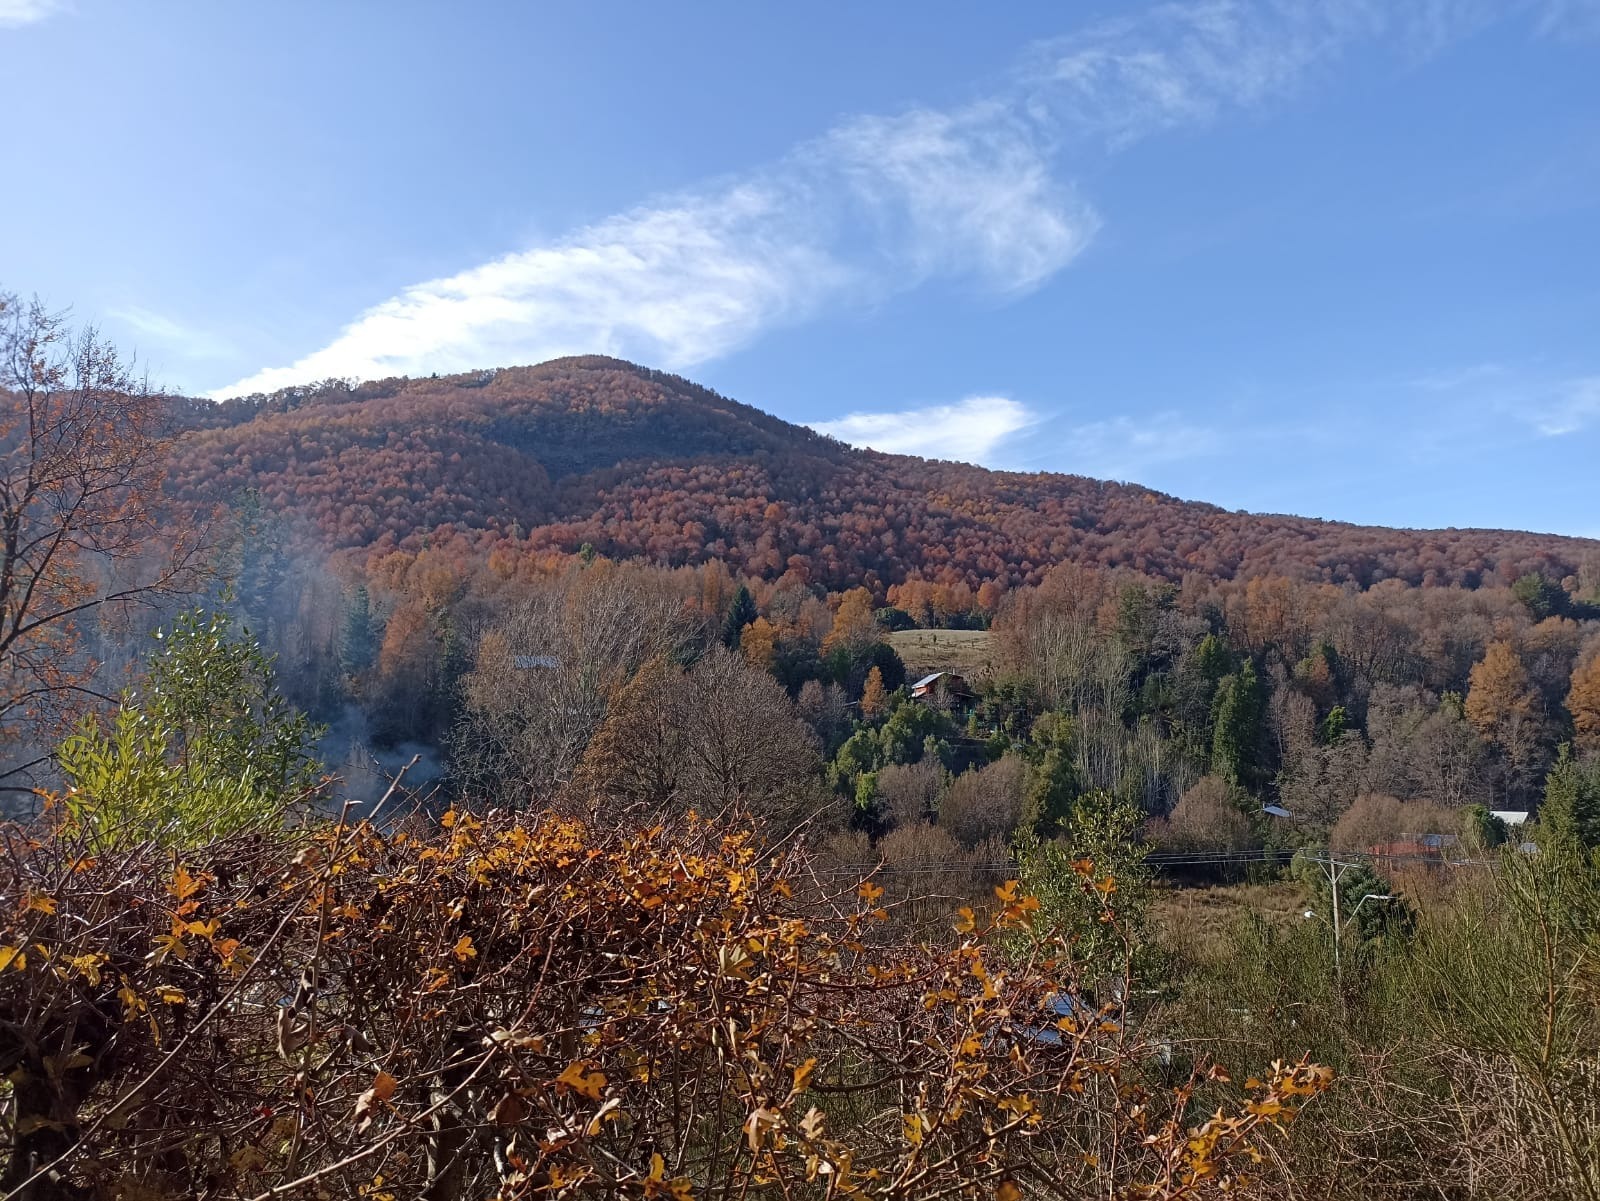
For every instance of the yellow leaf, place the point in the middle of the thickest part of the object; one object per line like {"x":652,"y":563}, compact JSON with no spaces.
{"x":132,"y":1002}
{"x":869,"y":892}
{"x":611,"y":1109}
{"x":1007,"y":892}
{"x":184,"y":885}
{"x":583,"y":1082}
{"x":757,"y":1125}
{"x":464,"y":950}
{"x":41,"y":904}
{"x":914,"y":1128}
{"x":967,"y":922}
{"x":1008,"y":1191}
{"x":12,"y":957}
{"x":802,"y":1075}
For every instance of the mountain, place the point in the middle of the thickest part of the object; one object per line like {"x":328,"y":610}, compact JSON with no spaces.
{"x":635,"y":462}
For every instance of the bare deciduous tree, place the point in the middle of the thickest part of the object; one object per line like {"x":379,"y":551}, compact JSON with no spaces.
{"x":83,"y":446}
{"x":544,"y":676}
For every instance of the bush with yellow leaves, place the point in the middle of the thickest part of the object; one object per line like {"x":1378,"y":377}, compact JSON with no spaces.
{"x":494,"y":1009}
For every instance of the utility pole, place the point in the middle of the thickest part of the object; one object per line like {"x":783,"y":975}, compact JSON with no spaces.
{"x":1334,"y":869}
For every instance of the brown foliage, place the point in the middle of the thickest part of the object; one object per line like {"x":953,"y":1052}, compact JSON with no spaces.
{"x":547,"y":669}
{"x":985,"y":802}
{"x":1500,"y":697}
{"x":872,"y":694}
{"x":1208,"y":817}
{"x":82,"y":452}
{"x":721,"y":735}
{"x":641,"y":464}
{"x":1583,"y":702}
{"x":1375,"y":820}
{"x":547,"y":1010}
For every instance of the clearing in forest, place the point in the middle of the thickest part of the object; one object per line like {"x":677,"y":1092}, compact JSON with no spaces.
{"x":965,"y":652}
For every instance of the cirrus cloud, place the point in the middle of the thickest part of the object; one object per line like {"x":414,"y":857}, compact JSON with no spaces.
{"x":970,"y":430}
{"x":877,"y":205}
{"x":16,"y":13}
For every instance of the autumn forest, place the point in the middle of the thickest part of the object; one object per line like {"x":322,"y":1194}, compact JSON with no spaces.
{"x":563,"y":781}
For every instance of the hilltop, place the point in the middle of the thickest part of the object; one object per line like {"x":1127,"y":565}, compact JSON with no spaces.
{"x":639,"y":463}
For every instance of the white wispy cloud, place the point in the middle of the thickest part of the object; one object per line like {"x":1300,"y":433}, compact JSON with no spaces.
{"x":1186,"y":64}
{"x":969,"y":431}
{"x":1549,"y":403}
{"x":877,"y":205}
{"x":1126,"y":448}
{"x":177,"y":336}
{"x":1457,"y":378}
{"x":1567,"y":408}
{"x":1570,"y":18}
{"x":15,"y":13}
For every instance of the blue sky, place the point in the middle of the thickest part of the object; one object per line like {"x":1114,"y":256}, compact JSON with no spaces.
{"x":1330,"y":257}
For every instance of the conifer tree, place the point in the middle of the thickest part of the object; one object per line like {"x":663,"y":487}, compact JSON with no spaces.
{"x":1583,"y":702}
{"x":358,"y":640}
{"x":1237,"y":728}
{"x":741,"y":612}
{"x":1571,"y":809}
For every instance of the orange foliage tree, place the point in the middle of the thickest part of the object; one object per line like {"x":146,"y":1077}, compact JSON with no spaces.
{"x":873,"y":697}
{"x":1500,"y":698}
{"x":1583,"y":702}
{"x":759,"y":643}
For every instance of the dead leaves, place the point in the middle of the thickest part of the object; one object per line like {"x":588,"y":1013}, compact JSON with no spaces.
{"x":591,"y":1017}
{"x":375,"y":1098}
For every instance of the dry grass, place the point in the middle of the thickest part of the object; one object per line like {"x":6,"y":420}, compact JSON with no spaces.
{"x":966,"y":652}
{"x":1199,"y":918}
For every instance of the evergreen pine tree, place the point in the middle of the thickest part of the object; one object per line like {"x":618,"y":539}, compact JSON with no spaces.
{"x":1237,"y":728}
{"x":741,"y":612}
{"x":1571,"y":809}
{"x":358,"y":640}
{"x":1053,"y":786}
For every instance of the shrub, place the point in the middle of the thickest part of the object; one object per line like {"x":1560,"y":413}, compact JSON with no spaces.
{"x":549,"y":1010}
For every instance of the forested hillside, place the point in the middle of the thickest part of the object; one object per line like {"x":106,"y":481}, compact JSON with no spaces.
{"x":669,"y":862}
{"x":636,"y":463}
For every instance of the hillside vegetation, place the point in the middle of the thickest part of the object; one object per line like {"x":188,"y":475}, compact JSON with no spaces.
{"x":682,"y":895}
{"x":637,"y":463}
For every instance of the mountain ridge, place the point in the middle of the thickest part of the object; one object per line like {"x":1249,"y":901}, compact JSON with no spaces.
{"x":638,"y":462}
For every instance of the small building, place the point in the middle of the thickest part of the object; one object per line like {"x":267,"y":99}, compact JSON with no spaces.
{"x":1417,"y":846}
{"x":943,"y":690}
{"x":1511,"y":817}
